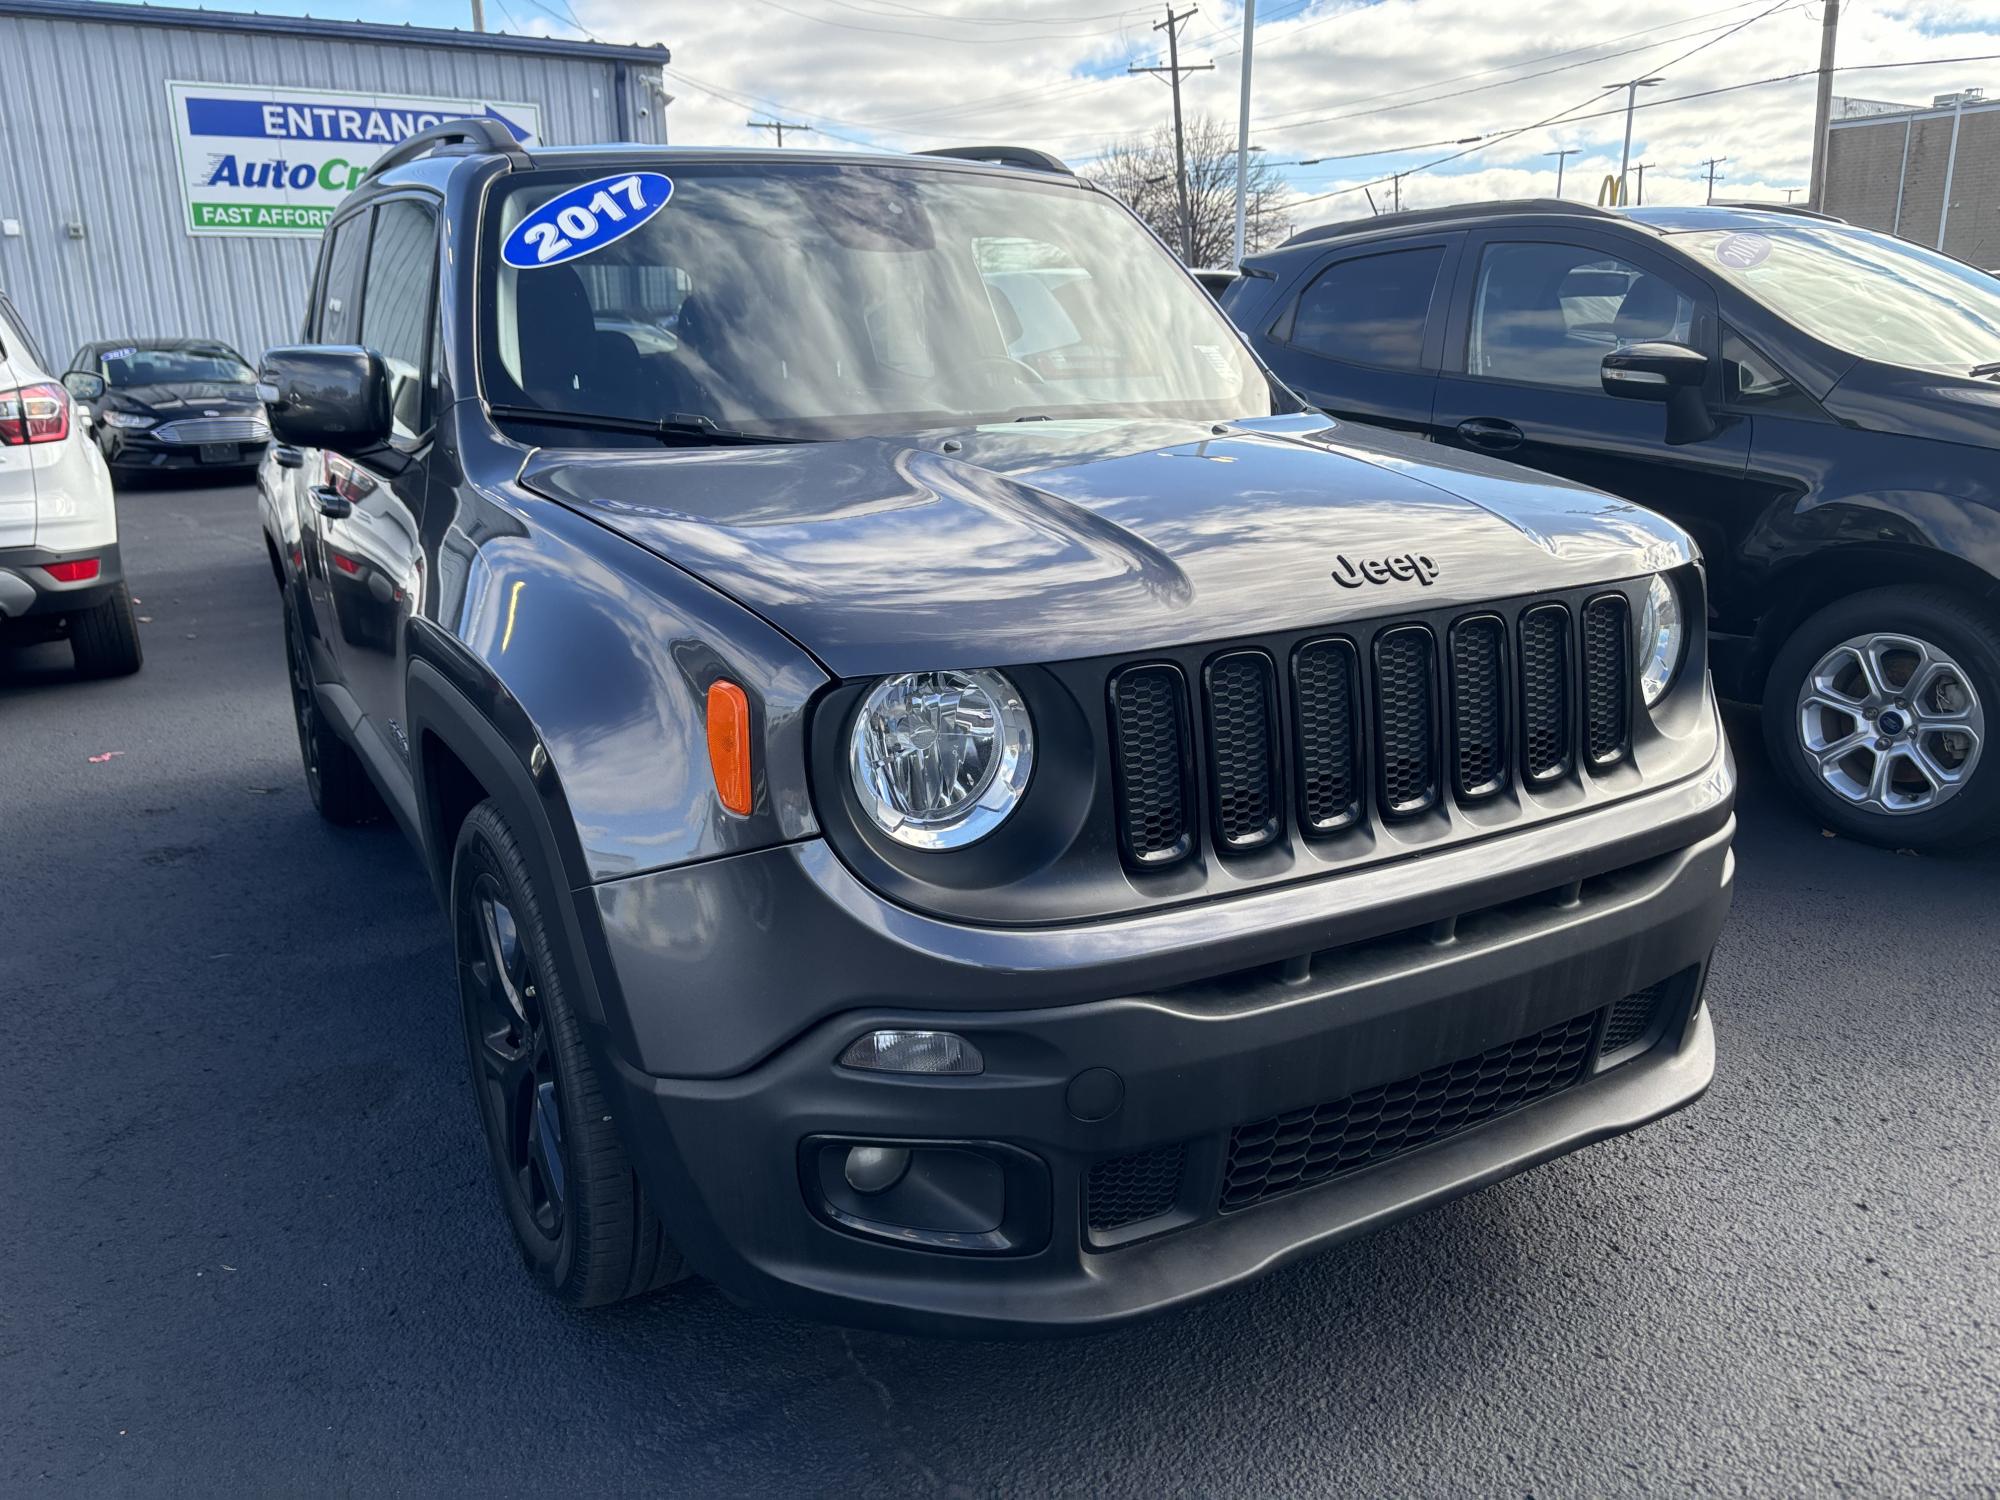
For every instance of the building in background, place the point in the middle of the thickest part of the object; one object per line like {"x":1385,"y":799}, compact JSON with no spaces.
{"x":1930,"y":173}
{"x":167,"y":172}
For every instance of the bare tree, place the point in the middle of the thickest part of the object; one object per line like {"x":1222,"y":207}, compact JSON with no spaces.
{"x":1142,"y":173}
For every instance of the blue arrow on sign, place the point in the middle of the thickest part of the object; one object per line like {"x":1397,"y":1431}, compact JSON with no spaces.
{"x":516,"y":131}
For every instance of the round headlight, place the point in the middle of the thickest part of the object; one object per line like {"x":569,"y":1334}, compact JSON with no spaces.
{"x":1661,"y":640}
{"x":940,"y":759}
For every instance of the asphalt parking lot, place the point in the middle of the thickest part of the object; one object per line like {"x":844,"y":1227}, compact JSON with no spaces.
{"x":251,"y":1243}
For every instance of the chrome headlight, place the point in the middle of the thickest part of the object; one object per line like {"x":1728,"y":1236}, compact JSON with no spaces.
{"x":940,"y":759}
{"x":1662,"y":640}
{"x":128,"y":419}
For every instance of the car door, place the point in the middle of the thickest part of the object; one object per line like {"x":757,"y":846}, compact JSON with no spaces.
{"x":1533,"y":315}
{"x":369,"y":512}
{"x":1358,"y":338}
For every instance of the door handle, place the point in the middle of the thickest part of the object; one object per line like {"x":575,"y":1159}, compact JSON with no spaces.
{"x":331,"y":503}
{"x":1490,"y":434}
{"x":288,"y":457}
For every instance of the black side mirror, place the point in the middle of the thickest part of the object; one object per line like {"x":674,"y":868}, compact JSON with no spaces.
{"x":1669,"y":373}
{"x":84,"y":386}
{"x":327,"y":396}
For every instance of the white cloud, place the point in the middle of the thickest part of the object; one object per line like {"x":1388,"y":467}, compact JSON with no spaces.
{"x":1050,"y":73}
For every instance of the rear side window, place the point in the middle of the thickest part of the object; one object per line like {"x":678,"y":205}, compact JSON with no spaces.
{"x":340,"y":304}
{"x":396,"y":308}
{"x":14,"y":337}
{"x":1368,"y":311}
{"x":1547,"y":314}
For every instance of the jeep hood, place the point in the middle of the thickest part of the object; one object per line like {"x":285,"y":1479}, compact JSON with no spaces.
{"x":1049,"y":541}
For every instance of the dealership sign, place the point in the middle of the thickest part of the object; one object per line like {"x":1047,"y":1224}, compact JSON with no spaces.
{"x":278,"y":161}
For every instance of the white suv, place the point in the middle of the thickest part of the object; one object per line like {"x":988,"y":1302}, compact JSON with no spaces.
{"x":60,"y":575}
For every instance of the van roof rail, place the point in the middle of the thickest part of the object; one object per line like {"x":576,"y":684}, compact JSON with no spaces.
{"x":468,"y":136}
{"x":1004,"y":156}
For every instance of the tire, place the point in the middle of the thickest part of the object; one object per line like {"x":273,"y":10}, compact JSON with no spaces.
{"x":585,"y":1228}
{"x":336,"y":780}
{"x":1942,"y":786}
{"x":105,"y":640}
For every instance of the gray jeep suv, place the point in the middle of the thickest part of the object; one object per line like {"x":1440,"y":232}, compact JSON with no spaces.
{"x":961,"y":804}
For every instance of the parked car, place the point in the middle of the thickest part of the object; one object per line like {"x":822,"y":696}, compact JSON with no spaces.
{"x":170,"y":405}
{"x":958,"y":838}
{"x":61,"y":577}
{"x":1815,"y":403}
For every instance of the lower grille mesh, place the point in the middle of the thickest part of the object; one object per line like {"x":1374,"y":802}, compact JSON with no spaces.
{"x":1631,"y":1018}
{"x":1131,"y":1189}
{"x":1306,"y":1146}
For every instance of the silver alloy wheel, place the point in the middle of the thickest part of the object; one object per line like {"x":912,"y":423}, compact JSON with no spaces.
{"x":1892,"y":723}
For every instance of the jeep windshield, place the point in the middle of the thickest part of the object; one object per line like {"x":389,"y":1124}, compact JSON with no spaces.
{"x":829,"y":300}
{"x":1865,"y":293}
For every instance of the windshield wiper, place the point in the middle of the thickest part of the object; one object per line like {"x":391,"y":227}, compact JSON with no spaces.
{"x":1986,"y":369}
{"x":673,"y":425}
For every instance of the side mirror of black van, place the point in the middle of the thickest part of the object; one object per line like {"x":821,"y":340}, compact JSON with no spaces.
{"x":332,"y":396}
{"x":1670,"y":373}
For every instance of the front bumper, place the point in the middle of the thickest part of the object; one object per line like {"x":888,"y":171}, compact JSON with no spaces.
{"x":28,"y":592}
{"x":1286,"y":1018}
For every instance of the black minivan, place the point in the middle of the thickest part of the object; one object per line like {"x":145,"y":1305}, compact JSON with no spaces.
{"x":1818,"y":404}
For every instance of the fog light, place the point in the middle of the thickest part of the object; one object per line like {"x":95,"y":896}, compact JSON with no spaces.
{"x":876,"y":1169}
{"x":933,"y":1053}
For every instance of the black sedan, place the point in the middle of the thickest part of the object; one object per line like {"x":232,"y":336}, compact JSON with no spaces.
{"x":160,"y":405}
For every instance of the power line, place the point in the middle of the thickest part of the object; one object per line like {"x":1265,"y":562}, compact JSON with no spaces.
{"x":1568,"y":116}
{"x":933,"y":36}
{"x":780,"y":126}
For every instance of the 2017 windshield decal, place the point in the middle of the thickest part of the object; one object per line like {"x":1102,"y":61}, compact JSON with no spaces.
{"x":585,"y":219}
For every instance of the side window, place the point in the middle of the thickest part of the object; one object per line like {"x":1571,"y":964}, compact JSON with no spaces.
{"x":340,"y":304}
{"x":396,"y":308}
{"x":1369,"y":311}
{"x":1751,"y":378}
{"x":1547,"y":314}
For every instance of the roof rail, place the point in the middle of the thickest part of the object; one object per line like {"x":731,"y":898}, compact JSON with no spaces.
{"x":1416,"y":216}
{"x":463,"y":137}
{"x":1004,"y":156}
{"x":1796,"y":210}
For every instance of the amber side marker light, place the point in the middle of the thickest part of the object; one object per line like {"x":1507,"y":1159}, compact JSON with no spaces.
{"x":729,"y":745}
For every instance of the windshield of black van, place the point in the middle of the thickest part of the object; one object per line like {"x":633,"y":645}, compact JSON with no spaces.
{"x":833,"y":300}
{"x":1866,"y":293}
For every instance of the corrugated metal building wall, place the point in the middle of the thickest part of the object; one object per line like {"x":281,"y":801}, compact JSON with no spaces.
{"x":87,"y":138}
{"x":1888,"y":171}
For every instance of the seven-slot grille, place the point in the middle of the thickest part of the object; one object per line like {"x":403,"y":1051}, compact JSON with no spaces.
{"x":1413,"y":714}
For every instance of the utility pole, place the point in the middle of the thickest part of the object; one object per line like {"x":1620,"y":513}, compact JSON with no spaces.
{"x":1631,"y":87}
{"x":1243,"y":136}
{"x":1712,"y":163}
{"x":1173,"y":71}
{"x":1641,"y":170}
{"x":1559,"y":156}
{"x":1396,"y":187}
{"x":478,"y":15}
{"x":780,"y":126}
{"x":1829,"y":29}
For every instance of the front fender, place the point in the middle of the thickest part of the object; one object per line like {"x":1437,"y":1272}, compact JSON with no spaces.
{"x":592,"y":659}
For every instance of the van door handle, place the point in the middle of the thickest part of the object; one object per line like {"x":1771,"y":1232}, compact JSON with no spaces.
{"x":1490,"y":434}
{"x":332,"y":504}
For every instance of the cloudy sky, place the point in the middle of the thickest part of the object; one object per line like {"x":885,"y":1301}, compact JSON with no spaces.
{"x":1383,"y":85}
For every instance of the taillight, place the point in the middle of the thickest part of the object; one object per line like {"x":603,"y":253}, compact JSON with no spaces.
{"x":34,"y":414}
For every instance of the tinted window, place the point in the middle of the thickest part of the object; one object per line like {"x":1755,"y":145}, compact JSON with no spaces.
{"x":341,"y":305}
{"x":396,"y":307}
{"x":1369,"y":311}
{"x":14,"y":336}
{"x":1548,"y":314}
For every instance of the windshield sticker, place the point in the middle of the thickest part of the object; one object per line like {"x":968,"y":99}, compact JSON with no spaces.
{"x":585,"y":219}
{"x":119,"y":353}
{"x":1740,"y":252}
